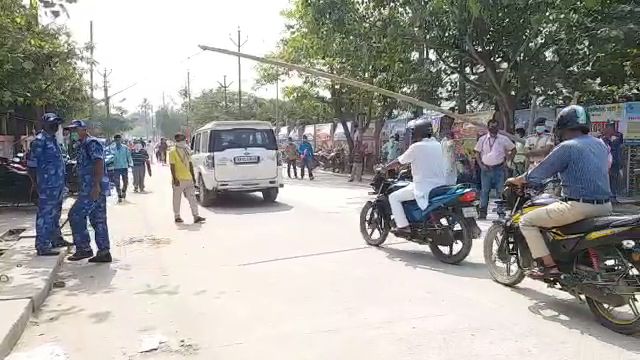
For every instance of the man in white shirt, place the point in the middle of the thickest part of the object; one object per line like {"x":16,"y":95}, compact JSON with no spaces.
{"x":429,"y":170}
{"x":539,"y":145}
{"x":493,"y":150}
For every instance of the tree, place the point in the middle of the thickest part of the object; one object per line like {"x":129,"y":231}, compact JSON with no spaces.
{"x":515,"y":49}
{"x":117,"y":123}
{"x":38,"y":64}
{"x":371,"y":41}
{"x":169,"y":122}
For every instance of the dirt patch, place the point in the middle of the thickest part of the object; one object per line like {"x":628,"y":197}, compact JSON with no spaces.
{"x":150,"y":240}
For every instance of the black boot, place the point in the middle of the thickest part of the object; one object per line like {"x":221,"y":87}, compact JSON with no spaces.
{"x":483,"y":214}
{"x":80,"y":255}
{"x":103,"y":256}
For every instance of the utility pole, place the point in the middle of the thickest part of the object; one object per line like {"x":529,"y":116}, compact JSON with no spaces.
{"x":91,"y":65}
{"x":239,"y":43}
{"x":105,"y":84}
{"x":224,"y":87}
{"x":188,"y":100}
{"x":277,"y":100}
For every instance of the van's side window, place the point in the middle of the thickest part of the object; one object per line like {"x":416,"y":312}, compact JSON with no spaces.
{"x":204,"y":143}
{"x":193,"y":139}
{"x":196,"y":144}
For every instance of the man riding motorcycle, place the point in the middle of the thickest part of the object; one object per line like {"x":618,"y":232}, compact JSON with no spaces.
{"x":581,"y":162}
{"x":428,"y":167}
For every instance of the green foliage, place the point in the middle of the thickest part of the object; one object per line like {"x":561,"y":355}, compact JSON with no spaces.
{"x":117,"y":123}
{"x":38,"y":64}
{"x":169,"y":122}
{"x":506,"y":51}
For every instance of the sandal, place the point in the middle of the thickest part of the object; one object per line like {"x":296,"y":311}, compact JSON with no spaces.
{"x":546,"y":273}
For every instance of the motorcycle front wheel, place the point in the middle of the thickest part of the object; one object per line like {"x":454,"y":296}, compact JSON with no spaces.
{"x":502,"y":266}
{"x":374,"y":227}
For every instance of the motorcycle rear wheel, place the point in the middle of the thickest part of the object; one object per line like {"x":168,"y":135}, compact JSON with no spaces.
{"x":614,"y":319}
{"x":454,"y":221}
{"x":493,"y":252}
{"x":372,"y":221}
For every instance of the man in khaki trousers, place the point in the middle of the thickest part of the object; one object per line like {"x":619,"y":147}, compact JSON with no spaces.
{"x":183,"y":179}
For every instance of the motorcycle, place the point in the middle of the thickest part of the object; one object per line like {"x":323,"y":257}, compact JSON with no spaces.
{"x":16,"y":186}
{"x":71,"y":175}
{"x":599,"y":257}
{"x":448,"y":225}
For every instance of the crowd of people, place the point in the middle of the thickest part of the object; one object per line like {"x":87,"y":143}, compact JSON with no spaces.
{"x":99,"y":165}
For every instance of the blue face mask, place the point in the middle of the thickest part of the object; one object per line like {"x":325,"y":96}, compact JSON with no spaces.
{"x":540,"y":129}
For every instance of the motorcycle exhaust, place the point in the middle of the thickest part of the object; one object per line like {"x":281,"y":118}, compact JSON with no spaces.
{"x":597,"y":294}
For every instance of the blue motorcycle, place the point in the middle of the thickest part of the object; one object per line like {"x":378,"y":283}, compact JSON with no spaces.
{"x":448,"y":225}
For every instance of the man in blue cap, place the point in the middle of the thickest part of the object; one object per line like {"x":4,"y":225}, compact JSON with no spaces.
{"x":92,"y":198}
{"x":46,"y":168}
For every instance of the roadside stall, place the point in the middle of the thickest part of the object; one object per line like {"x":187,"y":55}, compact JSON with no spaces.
{"x":630,"y":128}
{"x":323,"y":138}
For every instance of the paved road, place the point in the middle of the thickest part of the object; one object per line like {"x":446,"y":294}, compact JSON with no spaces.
{"x":294,"y":280}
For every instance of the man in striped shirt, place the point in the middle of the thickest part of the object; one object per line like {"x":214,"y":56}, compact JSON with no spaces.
{"x":140,"y":158}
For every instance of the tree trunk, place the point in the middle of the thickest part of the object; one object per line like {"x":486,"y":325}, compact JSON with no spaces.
{"x":336,"y":104}
{"x":506,"y":105}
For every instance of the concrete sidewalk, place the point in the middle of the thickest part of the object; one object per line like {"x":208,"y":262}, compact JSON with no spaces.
{"x":25,"y":278}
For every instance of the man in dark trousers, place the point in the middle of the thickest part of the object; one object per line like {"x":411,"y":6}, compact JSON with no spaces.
{"x":614,"y":140}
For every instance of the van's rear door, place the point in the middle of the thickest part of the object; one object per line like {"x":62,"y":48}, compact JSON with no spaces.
{"x":245,"y":154}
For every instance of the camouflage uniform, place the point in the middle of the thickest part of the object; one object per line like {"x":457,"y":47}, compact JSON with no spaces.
{"x":89,"y":151}
{"x":46,"y":158}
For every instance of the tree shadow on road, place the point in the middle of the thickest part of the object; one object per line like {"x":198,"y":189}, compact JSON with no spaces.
{"x":243,"y":204}
{"x":424,"y":260}
{"x":575,"y":316}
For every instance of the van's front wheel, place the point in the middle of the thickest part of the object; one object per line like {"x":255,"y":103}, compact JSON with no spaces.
{"x":270,"y":195}
{"x":206,"y":197}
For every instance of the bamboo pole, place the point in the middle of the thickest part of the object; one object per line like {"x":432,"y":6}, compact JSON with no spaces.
{"x":355,"y":83}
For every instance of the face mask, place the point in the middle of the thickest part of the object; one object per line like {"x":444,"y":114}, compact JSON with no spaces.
{"x":74,"y":136}
{"x":52,"y":128}
{"x":540,"y":129}
{"x":182,"y":143}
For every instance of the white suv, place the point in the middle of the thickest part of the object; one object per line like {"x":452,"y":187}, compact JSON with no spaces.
{"x":236,"y":156}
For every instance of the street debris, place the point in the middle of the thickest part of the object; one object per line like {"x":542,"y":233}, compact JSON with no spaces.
{"x":59,"y":284}
{"x":159,"y":343}
{"x":147,"y":239}
{"x":45,"y":352}
{"x":151,"y":343}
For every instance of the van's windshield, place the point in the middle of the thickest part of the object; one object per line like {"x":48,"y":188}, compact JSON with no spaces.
{"x":243,"y":138}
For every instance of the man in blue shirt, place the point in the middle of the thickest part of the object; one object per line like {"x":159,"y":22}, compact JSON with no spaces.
{"x":47,"y":169}
{"x":581,"y":160}
{"x":614,"y":140}
{"x":92,"y":199}
{"x":306,"y":155}
{"x":121,"y":163}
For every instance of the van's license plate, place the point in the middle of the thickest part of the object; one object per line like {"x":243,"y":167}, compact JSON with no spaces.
{"x":470,"y":212}
{"x":245,"y":159}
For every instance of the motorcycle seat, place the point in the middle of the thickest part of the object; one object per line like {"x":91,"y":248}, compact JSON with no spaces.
{"x":598,"y":223}
{"x":440,"y":190}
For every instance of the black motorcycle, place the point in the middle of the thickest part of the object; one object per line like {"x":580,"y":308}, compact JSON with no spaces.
{"x":447,"y":225}
{"x":72,"y":180}
{"x":599,"y":257}
{"x":16,"y":186}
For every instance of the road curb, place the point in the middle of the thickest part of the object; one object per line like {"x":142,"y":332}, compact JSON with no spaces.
{"x":30,"y":279}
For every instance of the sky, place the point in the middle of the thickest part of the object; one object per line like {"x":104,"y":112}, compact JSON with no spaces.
{"x":153,"y":43}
